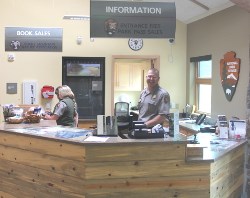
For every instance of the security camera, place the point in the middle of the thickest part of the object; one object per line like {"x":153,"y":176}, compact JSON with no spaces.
{"x":171,"y":40}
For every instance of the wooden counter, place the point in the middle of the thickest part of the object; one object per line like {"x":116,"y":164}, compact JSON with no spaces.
{"x":36,"y":162}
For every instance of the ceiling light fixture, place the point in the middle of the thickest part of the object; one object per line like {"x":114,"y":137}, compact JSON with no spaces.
{"x":76,"y":17}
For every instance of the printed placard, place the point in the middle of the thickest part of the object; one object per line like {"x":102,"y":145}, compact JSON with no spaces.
{"x":237,"y":129}
{"x":130,"y":19}
{"x":33,"y":39}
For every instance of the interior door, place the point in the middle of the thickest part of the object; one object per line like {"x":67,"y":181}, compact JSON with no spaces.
{"x":146,"y":62}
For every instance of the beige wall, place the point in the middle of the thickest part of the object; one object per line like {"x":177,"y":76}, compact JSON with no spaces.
{"x":228,"y":30}
{"x":45,"y":67}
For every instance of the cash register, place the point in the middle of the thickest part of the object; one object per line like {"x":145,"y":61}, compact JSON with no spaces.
{"x":140,"y":131}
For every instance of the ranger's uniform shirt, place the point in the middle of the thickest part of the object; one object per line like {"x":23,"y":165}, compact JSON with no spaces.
{"x":65,"y":111}
{"x":152,"y":104}
{"x":60,"y":108}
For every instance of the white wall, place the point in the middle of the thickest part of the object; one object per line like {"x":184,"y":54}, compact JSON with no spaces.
{"x":46,"y":67}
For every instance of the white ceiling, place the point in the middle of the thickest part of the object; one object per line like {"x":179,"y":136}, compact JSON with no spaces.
{"x":189,"y":11}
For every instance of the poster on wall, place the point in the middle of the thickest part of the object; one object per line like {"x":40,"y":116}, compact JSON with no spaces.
{"x":130,"y":19}
{"x":30,"y":92}
{"x":229,"y":73}
{"x":33,"y":39}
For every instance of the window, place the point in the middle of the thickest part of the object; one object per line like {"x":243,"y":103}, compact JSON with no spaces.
{"x":203,"y":87}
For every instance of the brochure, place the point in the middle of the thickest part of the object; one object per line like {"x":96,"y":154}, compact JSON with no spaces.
{"x":237,"y":129}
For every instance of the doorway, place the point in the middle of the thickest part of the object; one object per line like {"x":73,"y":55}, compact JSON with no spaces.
{"x":129,"y":74}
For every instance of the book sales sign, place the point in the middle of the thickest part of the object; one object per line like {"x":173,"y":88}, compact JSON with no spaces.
{"x":129,"y":19}
{"x":33,"y":39}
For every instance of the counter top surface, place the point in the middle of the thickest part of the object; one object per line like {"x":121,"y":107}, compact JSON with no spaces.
{"x":48,"y":129}
{"x":213,"y":146}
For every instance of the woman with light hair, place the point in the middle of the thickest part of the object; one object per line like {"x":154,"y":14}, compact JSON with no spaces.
{"x":65,"y":111}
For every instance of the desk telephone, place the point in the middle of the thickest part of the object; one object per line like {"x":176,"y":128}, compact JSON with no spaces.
{"x":200,"y":119}
{"x":135,"y":108}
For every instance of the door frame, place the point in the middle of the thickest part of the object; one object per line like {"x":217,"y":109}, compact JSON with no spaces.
{"x":155,"y":62}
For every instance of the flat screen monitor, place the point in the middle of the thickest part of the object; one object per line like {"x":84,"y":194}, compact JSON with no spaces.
{"x":83,"y":69}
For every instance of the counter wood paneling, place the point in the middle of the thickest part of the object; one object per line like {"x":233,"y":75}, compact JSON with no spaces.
{"x":43,"y":166}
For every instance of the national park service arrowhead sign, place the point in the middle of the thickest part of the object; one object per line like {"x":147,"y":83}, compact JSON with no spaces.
{"x":229,"y":73}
